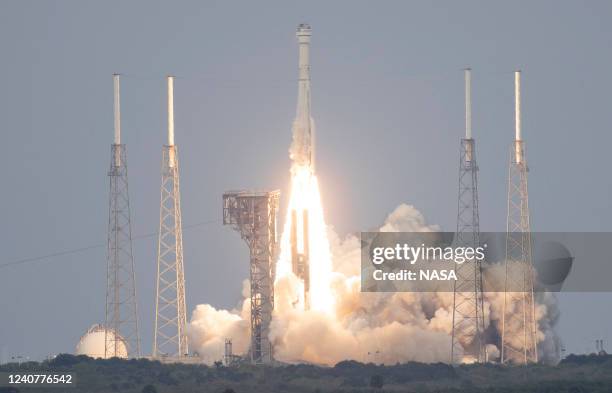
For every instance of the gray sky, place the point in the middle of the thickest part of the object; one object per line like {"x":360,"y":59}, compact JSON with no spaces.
{"x":387,"y":99}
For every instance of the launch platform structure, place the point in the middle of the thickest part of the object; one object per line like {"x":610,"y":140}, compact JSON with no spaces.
{"x":229,"y":358}
{"x":519,"y":327}
{"x":229,"y":353}
{"x":170,"y":311}
{"x":254,"y":215}
{"x":467,"y":343}
{"x":121,"y":317}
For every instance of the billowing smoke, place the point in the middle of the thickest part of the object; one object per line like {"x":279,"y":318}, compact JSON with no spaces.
{"x":367,"y":327}
{"x":210,"y":327}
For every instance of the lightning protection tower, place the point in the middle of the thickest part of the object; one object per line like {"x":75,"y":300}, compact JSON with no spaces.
{"x":468,"y":311}
{"x":121,"y":319}
{"x":170,"y":312}
{"x":519,"y":343}
{"x":253,"y":214}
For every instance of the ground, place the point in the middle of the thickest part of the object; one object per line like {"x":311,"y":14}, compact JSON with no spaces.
{"x":576,"y":374}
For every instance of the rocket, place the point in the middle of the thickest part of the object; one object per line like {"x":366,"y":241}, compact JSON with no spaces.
{"x":302,"y":151}
{"x":302,"y":154}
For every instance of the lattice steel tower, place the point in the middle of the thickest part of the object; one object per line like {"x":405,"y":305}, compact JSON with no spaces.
{"x":519,"y":328}
{"x":170,"y":310}
{"x":468,"y":311}
{"x":253,"y":214}
{"x":121,"y":319}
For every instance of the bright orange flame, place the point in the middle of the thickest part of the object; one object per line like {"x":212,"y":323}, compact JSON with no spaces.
{"x":305,"y":196}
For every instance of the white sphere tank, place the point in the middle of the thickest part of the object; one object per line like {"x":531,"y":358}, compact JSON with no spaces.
{"x":92,"y":343}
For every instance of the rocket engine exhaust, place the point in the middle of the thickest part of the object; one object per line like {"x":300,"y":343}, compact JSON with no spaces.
{"x":320,"y":315}
{"x":299,"y":257}
{"x":305,"y":249}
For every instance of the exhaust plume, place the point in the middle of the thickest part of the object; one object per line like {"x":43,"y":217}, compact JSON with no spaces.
{"x":368,"y":327}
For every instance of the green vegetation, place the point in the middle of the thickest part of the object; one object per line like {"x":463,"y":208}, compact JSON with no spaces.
{"x":576,"y":374}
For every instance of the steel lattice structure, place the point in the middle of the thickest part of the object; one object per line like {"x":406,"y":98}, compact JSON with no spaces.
{"x":468,"y":309}
{"x":121,"y":306}
{"x":467,"y":344}
{"x":253,"y":214}
{"x":170,"y":310}
{"x":121,"y":316}
{"x":519,"y":327}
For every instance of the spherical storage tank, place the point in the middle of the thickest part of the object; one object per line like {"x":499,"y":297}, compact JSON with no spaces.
{"x":92,"y":343}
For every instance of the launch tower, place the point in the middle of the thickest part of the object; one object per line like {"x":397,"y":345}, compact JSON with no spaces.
{"x":121,"y":320}
{"x":468,"y":319}
{"x":170,"y":310}
{"x":519,"y":343}
{"x":253,"y":214}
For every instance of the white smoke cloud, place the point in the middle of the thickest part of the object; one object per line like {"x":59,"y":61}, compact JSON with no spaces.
{"x":367,"y":327}
{"x":210,"y":327}
{"x":546,"y":314}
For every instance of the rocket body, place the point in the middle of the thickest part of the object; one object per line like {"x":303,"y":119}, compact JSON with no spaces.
{"x":302,"y":155}
{"x":305,"y":251}
{"x":303,"y":148}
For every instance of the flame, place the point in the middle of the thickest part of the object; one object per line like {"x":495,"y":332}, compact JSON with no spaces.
{"x":305,"y":196}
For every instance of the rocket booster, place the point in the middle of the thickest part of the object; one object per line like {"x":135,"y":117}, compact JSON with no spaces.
{"x":302,"y":150}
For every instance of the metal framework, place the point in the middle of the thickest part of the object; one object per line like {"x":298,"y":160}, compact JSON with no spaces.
{"x":121,"y":309}
{"x":121,"y":315}
{"x":170,"y":311}
{"x":468,"y":309}
{"x":519,"y":328}
{"x":467,"y":343}
{"x":253,"y":214}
